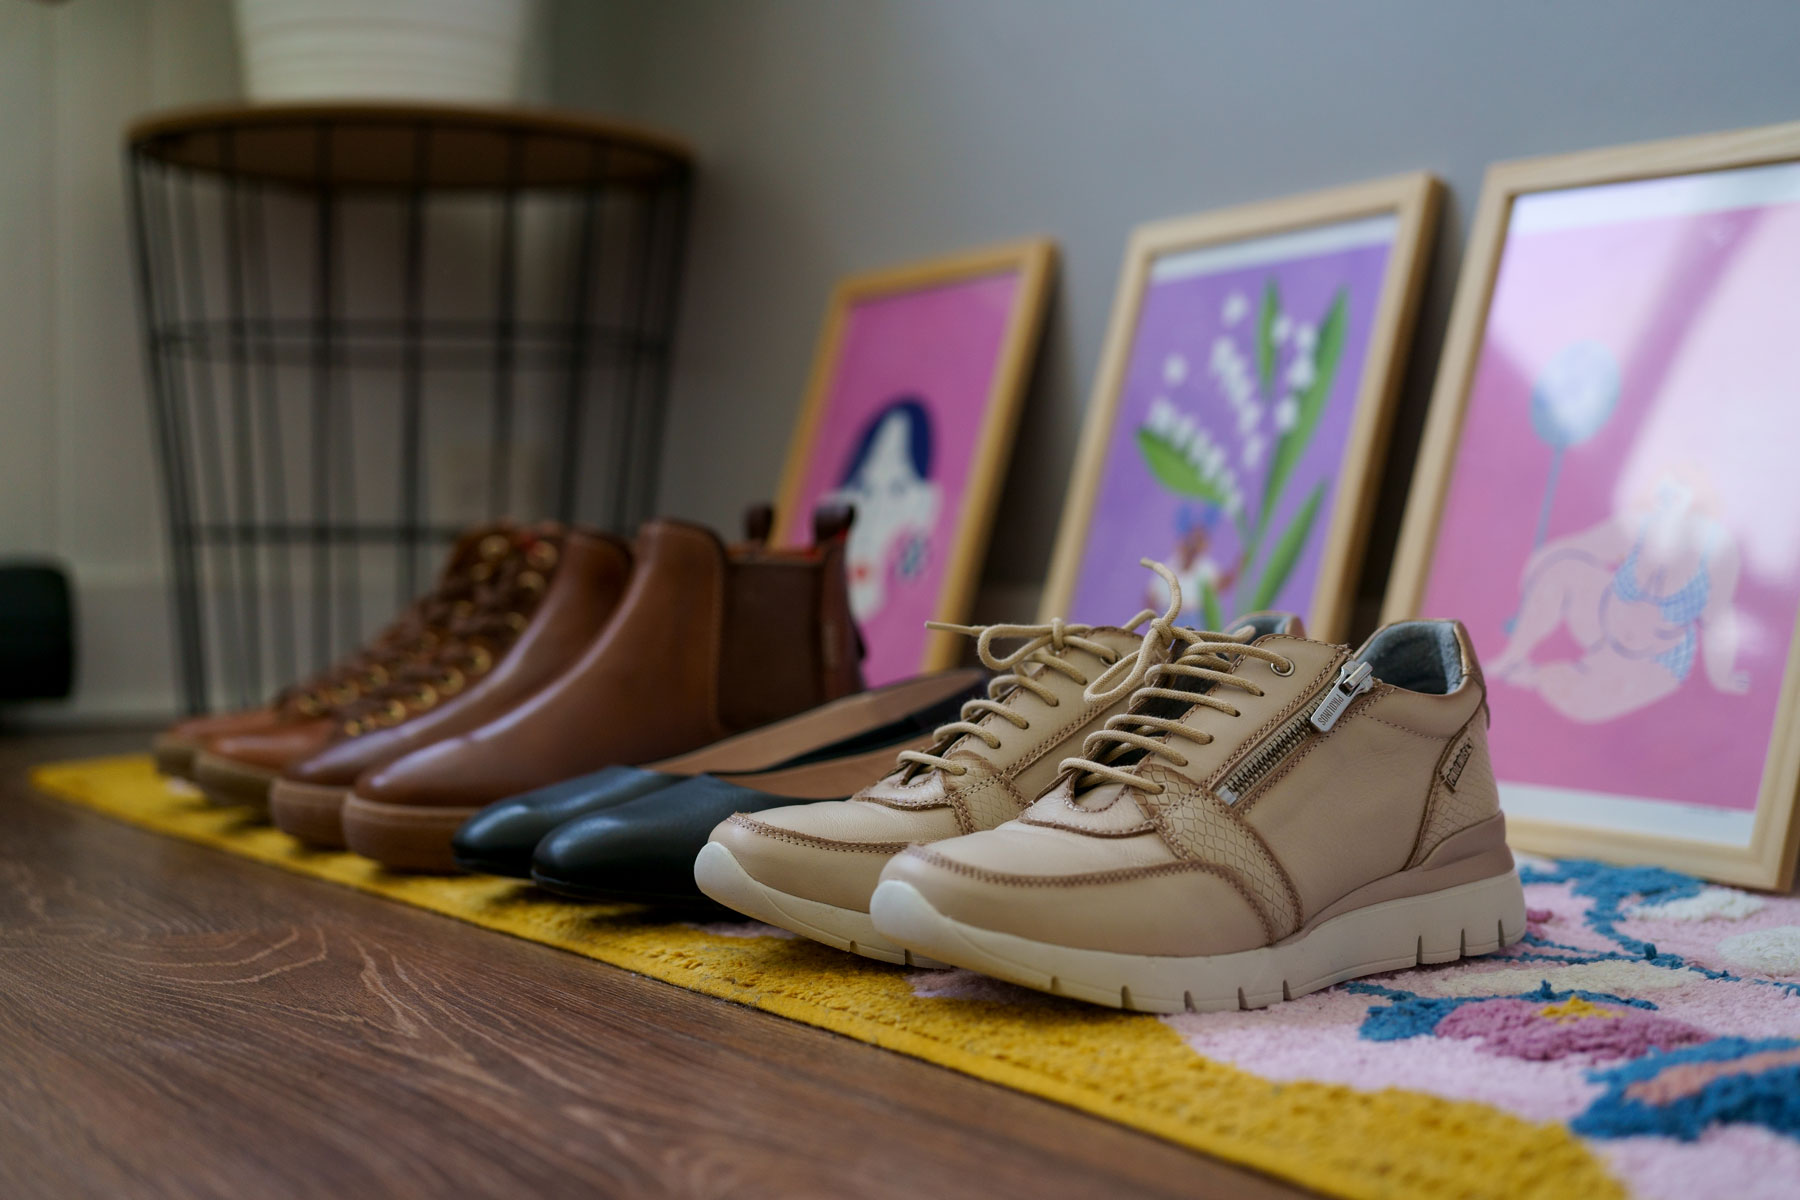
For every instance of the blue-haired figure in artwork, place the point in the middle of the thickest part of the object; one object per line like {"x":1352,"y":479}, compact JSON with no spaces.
{"x":888,"y":478}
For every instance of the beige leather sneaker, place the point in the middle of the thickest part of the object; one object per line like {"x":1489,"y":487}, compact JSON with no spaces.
{"x":811,"y":868}
{"x":1313,"y":815}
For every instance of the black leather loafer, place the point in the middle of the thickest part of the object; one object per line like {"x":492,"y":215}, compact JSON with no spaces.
{"x":499,"y":839}
{"x":644,"y":850}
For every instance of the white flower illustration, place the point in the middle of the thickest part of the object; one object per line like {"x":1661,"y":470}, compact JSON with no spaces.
{"x":1254,"y":449}
{"x":1305,"y":338}
{"x":1301,"y":372}
{"x":1235,"y":308}
{"x":1175,"y":370}
{"x":1282,"y":329}
{"x":1287,"y":414}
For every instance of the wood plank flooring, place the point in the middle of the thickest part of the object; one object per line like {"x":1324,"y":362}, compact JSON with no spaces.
{"x":177,"y":1022}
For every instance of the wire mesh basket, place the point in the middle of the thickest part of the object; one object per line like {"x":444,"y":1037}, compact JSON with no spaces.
{"x":369,"y":327}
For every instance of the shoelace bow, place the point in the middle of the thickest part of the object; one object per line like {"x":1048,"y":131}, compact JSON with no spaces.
{"x":1043,"y":646}
{"x":1207,"y":658}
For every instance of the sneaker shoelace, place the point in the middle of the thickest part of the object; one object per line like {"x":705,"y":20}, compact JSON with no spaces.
{"x":1208,"y":660}
{"x":1043,"y":646}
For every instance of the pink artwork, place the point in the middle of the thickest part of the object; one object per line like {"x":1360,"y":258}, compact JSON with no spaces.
{"x":1622,"y":529}
{"x":910,"y":392}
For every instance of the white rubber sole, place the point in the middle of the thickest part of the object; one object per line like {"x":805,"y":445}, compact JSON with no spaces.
{"x":722,"y":877}
{"x":1438,"y":927}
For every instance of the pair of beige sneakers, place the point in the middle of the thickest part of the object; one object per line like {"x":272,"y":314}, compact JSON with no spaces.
{"x":1166,"y":821}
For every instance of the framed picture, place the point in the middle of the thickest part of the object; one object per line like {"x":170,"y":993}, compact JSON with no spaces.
{"x":1606,"y":495}
{"x":910,"y":416}
{"x":1240,"y":418}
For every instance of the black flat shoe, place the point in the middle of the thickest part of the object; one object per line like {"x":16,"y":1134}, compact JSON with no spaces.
{"x":644,"y":850}
{"x":499,"y":839}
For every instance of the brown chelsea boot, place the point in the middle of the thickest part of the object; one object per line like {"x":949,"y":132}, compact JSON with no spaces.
{"x":708,"y":642}
{"x":467,"y":684}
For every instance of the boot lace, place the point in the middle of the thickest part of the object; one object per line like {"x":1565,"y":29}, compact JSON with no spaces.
{"x":419,"y":630}
{"x":1208,"y":660}
{"x":477,"y":634}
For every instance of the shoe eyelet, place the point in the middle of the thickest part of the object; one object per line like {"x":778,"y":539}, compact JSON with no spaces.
{"x":1276,"y":667}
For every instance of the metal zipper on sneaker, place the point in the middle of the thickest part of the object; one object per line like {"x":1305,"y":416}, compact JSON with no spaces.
{"x":1354,"y":678}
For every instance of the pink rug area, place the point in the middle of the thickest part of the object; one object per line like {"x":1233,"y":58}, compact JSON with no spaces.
{"x":1655,"y":1016}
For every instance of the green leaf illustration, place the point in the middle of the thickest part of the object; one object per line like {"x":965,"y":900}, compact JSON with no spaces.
{"x":1265,"y":336}
{"x":1287,"y":550}
{"x":1210,"y":613}
{"x":1328,"y":350}
{"x":1174,"y":471}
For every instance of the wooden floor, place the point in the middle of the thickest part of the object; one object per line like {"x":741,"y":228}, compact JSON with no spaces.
{"x":174,"y":1021}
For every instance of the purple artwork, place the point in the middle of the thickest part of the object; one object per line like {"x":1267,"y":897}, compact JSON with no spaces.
{"x":1622,"y":530}
{"x":1236,"y":405}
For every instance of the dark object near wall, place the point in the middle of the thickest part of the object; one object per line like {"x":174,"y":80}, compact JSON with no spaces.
{"x":37,"y":640}
{"x":371,"y":325}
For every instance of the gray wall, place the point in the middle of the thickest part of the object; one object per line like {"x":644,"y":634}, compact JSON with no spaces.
{"x":839,"y":135}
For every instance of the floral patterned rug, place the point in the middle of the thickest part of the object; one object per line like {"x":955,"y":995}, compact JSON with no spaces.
{"x":1644,"y":1038}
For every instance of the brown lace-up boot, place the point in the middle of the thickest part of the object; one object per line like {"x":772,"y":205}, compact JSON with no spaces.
{"x":470,"y":681}
{"x":238,"y":767}
{"x":708,"y":641}
{"x":174,"y":748}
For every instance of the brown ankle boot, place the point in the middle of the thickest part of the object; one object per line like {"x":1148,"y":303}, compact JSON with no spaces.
{"x":709,"y":641}
{"x":472,"y":680}
{"x":176,"y":747}
{"x":238,"y":767}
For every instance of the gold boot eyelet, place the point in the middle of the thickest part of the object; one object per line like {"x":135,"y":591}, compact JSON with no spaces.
{"x":1277,"y":667}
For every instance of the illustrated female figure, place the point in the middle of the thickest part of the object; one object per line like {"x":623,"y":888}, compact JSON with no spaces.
{"x":888,"y":479}
{"x":1644,"y":597}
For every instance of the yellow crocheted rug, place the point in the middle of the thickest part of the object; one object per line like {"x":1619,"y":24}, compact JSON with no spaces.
{"x":1587,"y":1062}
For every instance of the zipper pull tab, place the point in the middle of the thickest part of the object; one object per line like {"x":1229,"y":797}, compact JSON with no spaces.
{"x":1354,"y":678}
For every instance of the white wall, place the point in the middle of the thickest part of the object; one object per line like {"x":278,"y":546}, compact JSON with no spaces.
{"x":77,"y":480}
{"x":839,"y":135}
{"x":834,"y":136}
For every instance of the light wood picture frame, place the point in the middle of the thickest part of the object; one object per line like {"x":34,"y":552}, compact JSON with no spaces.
{"x":1251,"y":469}
{"x":910,"y":413}
{"x":1605,"y":496}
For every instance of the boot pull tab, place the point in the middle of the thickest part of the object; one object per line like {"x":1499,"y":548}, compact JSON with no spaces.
{"x":832,"y":521}
{"x":759,"y":520}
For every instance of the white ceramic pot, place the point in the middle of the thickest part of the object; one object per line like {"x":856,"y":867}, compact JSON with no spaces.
{"x":455,"y":50}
